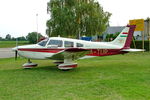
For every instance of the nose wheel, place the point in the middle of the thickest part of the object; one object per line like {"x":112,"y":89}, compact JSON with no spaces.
{"x":29,"y":64}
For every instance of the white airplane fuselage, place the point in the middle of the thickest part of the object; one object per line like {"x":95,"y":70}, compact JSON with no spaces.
{"x":37,"y":51}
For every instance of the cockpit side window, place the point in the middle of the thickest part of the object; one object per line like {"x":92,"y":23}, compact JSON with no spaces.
{"x":55,"y":42}
{"x":79,"y":45}
{"x":68,"y":44}
{"x":43,"y":43}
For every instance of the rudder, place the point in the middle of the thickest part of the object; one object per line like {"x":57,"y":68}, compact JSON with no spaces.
{"x":129,"y":38}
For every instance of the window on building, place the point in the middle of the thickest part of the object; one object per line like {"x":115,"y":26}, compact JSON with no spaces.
{"x":55,"y":42}
{"x":68,"y":44}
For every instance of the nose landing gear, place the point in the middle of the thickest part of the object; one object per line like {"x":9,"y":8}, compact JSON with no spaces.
{"x":29,"y":64}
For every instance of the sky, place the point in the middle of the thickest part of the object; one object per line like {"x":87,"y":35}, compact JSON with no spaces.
{"x":18,"y":17}
{"x":125,"y":10}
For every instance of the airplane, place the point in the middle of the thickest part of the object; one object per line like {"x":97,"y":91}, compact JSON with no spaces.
{"x":65,"y":50}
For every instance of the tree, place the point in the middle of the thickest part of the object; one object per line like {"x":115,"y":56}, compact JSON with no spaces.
{"x":22,"y":38}
{"x":13,"y":39}
{"x":1,"y":38}
{"x":76,"y":17}
{"x":8,"y":37}
{"x":32,"y":37}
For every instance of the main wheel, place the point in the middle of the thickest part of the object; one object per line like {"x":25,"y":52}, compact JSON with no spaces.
{"x":29,"y":65}
{"x":66,"y":67}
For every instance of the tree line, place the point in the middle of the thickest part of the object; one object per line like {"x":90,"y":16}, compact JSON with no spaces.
{"x":8,"y":37}
{"x":31,"y":37}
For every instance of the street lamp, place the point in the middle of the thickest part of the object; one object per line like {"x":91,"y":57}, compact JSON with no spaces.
{"x":37,"y":26}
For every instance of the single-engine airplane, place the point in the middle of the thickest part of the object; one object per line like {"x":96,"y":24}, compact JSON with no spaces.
{"x":64,"y":50}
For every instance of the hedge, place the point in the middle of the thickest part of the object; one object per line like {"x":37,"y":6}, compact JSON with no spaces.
{"x":139,"y":45}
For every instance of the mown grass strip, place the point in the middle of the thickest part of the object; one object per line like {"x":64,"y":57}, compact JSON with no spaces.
{"x":120,"y":77}
{"x":9,"y":44}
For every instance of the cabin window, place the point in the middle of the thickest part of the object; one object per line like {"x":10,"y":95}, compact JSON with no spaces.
{"x":69,"y":44}
{"x":43,"y":43}
{"x":79,"y":45}
{"x":58,"y":43}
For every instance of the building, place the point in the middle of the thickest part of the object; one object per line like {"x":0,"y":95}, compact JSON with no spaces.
{"x":138,"y":35}
{"x":114,"y":29}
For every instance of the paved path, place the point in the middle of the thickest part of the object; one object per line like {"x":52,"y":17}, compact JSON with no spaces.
{"x":6,"y":53}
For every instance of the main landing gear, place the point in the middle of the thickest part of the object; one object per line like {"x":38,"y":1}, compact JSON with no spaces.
{"x":67,"y":64}
{"x":29,"y":64}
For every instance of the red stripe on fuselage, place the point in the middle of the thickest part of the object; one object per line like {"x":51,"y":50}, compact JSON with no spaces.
{"x":93,"y":52}
{"x":42,"y":50}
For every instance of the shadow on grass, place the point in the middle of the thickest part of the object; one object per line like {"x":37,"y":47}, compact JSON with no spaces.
{"x":40,"y":69}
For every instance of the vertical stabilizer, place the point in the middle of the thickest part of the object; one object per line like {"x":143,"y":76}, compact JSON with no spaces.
{"x":125,"y":37}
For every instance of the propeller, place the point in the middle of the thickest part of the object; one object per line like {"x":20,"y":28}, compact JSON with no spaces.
{"x":16,"y":53}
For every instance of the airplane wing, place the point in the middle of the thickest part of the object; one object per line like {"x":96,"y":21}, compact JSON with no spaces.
{"x":71,"y":53}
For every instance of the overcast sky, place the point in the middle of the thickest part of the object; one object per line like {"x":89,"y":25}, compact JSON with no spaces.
{"x":18,"y":17}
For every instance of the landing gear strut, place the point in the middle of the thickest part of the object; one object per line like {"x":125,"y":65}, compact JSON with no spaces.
{"x":67,"y":64}
{"x":29,"y":64}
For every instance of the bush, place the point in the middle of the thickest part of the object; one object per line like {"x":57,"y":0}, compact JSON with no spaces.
{"x":139,"y":45}
{"x":32,"y":37}
{"x":110,"y":37}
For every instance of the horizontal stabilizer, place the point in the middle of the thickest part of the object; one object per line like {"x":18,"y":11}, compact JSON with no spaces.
{"x":132,"y":50}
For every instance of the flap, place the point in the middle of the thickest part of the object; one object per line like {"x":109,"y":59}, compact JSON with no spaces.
{"x":70,"y":53}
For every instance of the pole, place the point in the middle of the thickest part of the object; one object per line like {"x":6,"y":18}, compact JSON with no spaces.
{"x":16,"y":41}
{"x":37,"y":26}
{"x":142,"y":39}
{"x":149,"y":32}
{"x":134,"y":42}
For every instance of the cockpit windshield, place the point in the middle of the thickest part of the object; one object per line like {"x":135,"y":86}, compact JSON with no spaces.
{"x":43,"y":42}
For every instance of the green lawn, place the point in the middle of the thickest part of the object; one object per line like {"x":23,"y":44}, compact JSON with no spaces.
{"x":120,"y":77}
{"x":8,"y":44}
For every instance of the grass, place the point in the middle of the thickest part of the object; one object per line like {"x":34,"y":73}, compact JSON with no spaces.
{"x":8,"y":44}
{"x":120,"y":77}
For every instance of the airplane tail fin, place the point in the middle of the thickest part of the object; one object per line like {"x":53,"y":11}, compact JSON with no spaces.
{"x":125,"y":37}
